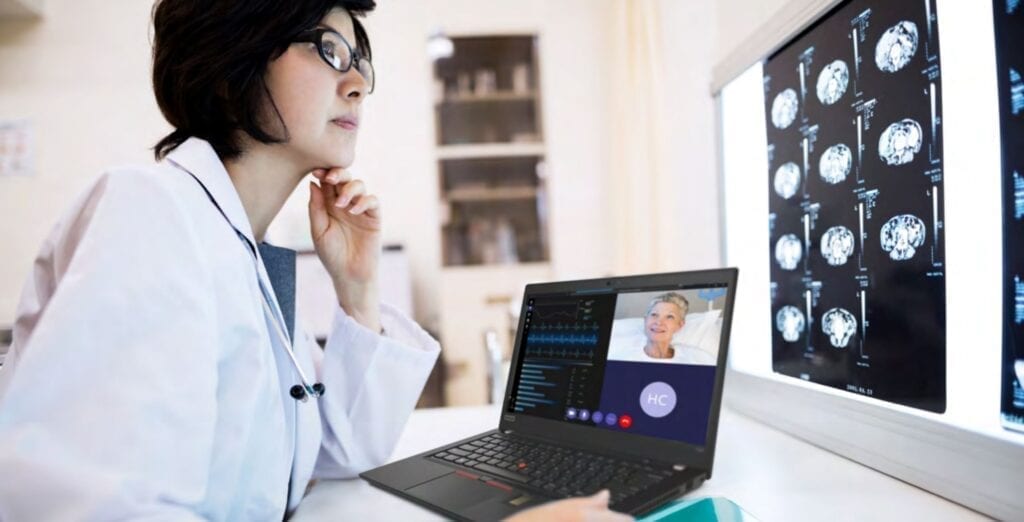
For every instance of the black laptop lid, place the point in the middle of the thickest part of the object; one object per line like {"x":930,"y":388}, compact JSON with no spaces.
{"x":633,"y":365}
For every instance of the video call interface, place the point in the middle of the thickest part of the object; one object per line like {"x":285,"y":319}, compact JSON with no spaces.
{"x":639,"y":362}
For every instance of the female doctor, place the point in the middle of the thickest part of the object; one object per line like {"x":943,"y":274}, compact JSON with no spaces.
{"x":156,"y":371}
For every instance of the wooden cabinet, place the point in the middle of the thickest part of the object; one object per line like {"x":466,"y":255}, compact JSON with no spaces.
{"x":490,"y":152}
{"x":492,"y":180}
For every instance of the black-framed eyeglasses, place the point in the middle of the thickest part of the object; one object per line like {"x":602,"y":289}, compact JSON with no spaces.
{"x":337,"y":52}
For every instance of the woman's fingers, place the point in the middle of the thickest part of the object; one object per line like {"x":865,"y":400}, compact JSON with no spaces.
{"x":367,"y":204}
{"x":318,"y":219}
{"x":348,"y":192}
{"x":337,"y":189}
{"x":335,"y":176}
{"x":330,"y":194}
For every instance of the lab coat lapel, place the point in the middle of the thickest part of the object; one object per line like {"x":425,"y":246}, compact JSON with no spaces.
{"x":197,"y":157}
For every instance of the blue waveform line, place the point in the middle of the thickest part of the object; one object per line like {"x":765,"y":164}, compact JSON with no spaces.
{"x":1018,"y":196}
{"x":1018,"y":300}
{"x":532,"y":394}
{"x":528,"y":400}
{"x":532,"y":382}
{"x":543,"y":366}
{"x":528,"y":370}
{"x":561,"y":339}
{"x":535,"y":377}
{"x":1011,"y":6}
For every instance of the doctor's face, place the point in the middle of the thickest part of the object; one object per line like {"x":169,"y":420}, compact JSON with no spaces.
{"x":319,"y":105}
{"x":662,"y":322}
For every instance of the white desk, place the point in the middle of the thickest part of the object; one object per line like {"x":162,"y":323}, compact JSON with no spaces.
{"x":772,"y":475}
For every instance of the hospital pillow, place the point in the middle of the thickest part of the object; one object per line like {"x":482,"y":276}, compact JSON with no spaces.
{"x":699,"y":331}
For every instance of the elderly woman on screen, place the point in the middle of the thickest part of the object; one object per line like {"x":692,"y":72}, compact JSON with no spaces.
{"x":665,"y":316}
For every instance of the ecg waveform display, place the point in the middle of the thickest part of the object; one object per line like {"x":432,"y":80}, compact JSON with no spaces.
{"x":574,"y":341}
{"x":563,"y":328}
{"x":564,"y":346}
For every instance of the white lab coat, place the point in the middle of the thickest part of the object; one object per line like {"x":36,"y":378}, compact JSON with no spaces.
{"x":143,"y":381}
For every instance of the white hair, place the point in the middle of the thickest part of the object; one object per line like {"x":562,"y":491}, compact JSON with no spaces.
{"x":673,"y":298}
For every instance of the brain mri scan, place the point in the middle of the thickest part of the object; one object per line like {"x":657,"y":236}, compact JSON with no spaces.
{"x":902,"y":235}
{"x":784,"y":109}
{"x":839,"y":325}
{"x":787,"y":180}
{"x":790,"y":322}
{"x":832,"y":82}
{"x":896,"y":47}
{"x":899,"y":142}
{"x":788,"y":251}
{"x":835,"y":164}
{"x":854,"y":135}
{"x":837,"y":245}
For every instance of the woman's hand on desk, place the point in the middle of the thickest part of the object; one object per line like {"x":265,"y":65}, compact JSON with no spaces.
{"x":345,"y":222}
{"x":594,"y":508}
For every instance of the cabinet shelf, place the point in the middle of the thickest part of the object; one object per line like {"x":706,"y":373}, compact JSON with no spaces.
{"x":490,"y":150}
{"x":497,"y":96}
{"x":490,"y":194}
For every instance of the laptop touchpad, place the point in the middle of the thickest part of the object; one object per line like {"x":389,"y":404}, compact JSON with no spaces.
{"x":455,"y":493}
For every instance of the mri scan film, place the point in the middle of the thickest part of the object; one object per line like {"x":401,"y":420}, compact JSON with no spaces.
{"x":784,"y":109}
{"x":853,"y":114}
{"x":837,"y":245}
{"x":839,"y":325}
{"x":899,"y":142}
{"x":789,"y":321}
{"x":835,"y":164}
{"x":788,"y":252}
{"x":787,"y":180}
{"x":1009,"y":32}
{"x":896,"y":47}
{"x":832,"y":82}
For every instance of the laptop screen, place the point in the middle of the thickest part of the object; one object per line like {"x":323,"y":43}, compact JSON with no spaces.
{"x":634,"y":361}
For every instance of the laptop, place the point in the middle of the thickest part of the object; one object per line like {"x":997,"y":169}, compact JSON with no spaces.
{"x":615,"y":384}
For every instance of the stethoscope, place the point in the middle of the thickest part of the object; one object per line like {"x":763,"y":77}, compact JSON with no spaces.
{"x":299,"y":392}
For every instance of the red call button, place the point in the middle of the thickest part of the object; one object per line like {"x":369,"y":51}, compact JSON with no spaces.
{"x":625,"y":421}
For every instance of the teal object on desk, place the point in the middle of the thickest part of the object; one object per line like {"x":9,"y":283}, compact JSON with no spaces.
{"x":706,"y":509}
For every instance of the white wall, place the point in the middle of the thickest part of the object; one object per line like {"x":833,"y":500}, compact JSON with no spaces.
{"x":738,"y":20}
{"x":81,"y":76}
{"x":689,"y":32}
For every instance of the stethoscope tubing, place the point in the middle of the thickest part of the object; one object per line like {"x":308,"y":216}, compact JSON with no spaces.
{"x":303,"y":392}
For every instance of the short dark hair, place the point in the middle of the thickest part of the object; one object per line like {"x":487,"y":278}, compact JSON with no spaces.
{"x":210,"y":59}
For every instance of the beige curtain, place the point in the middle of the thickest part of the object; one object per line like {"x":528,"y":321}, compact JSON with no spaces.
{"x":640,"y":184}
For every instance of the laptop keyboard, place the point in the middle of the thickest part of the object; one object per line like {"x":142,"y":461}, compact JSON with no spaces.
{"x":556,"y":470}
